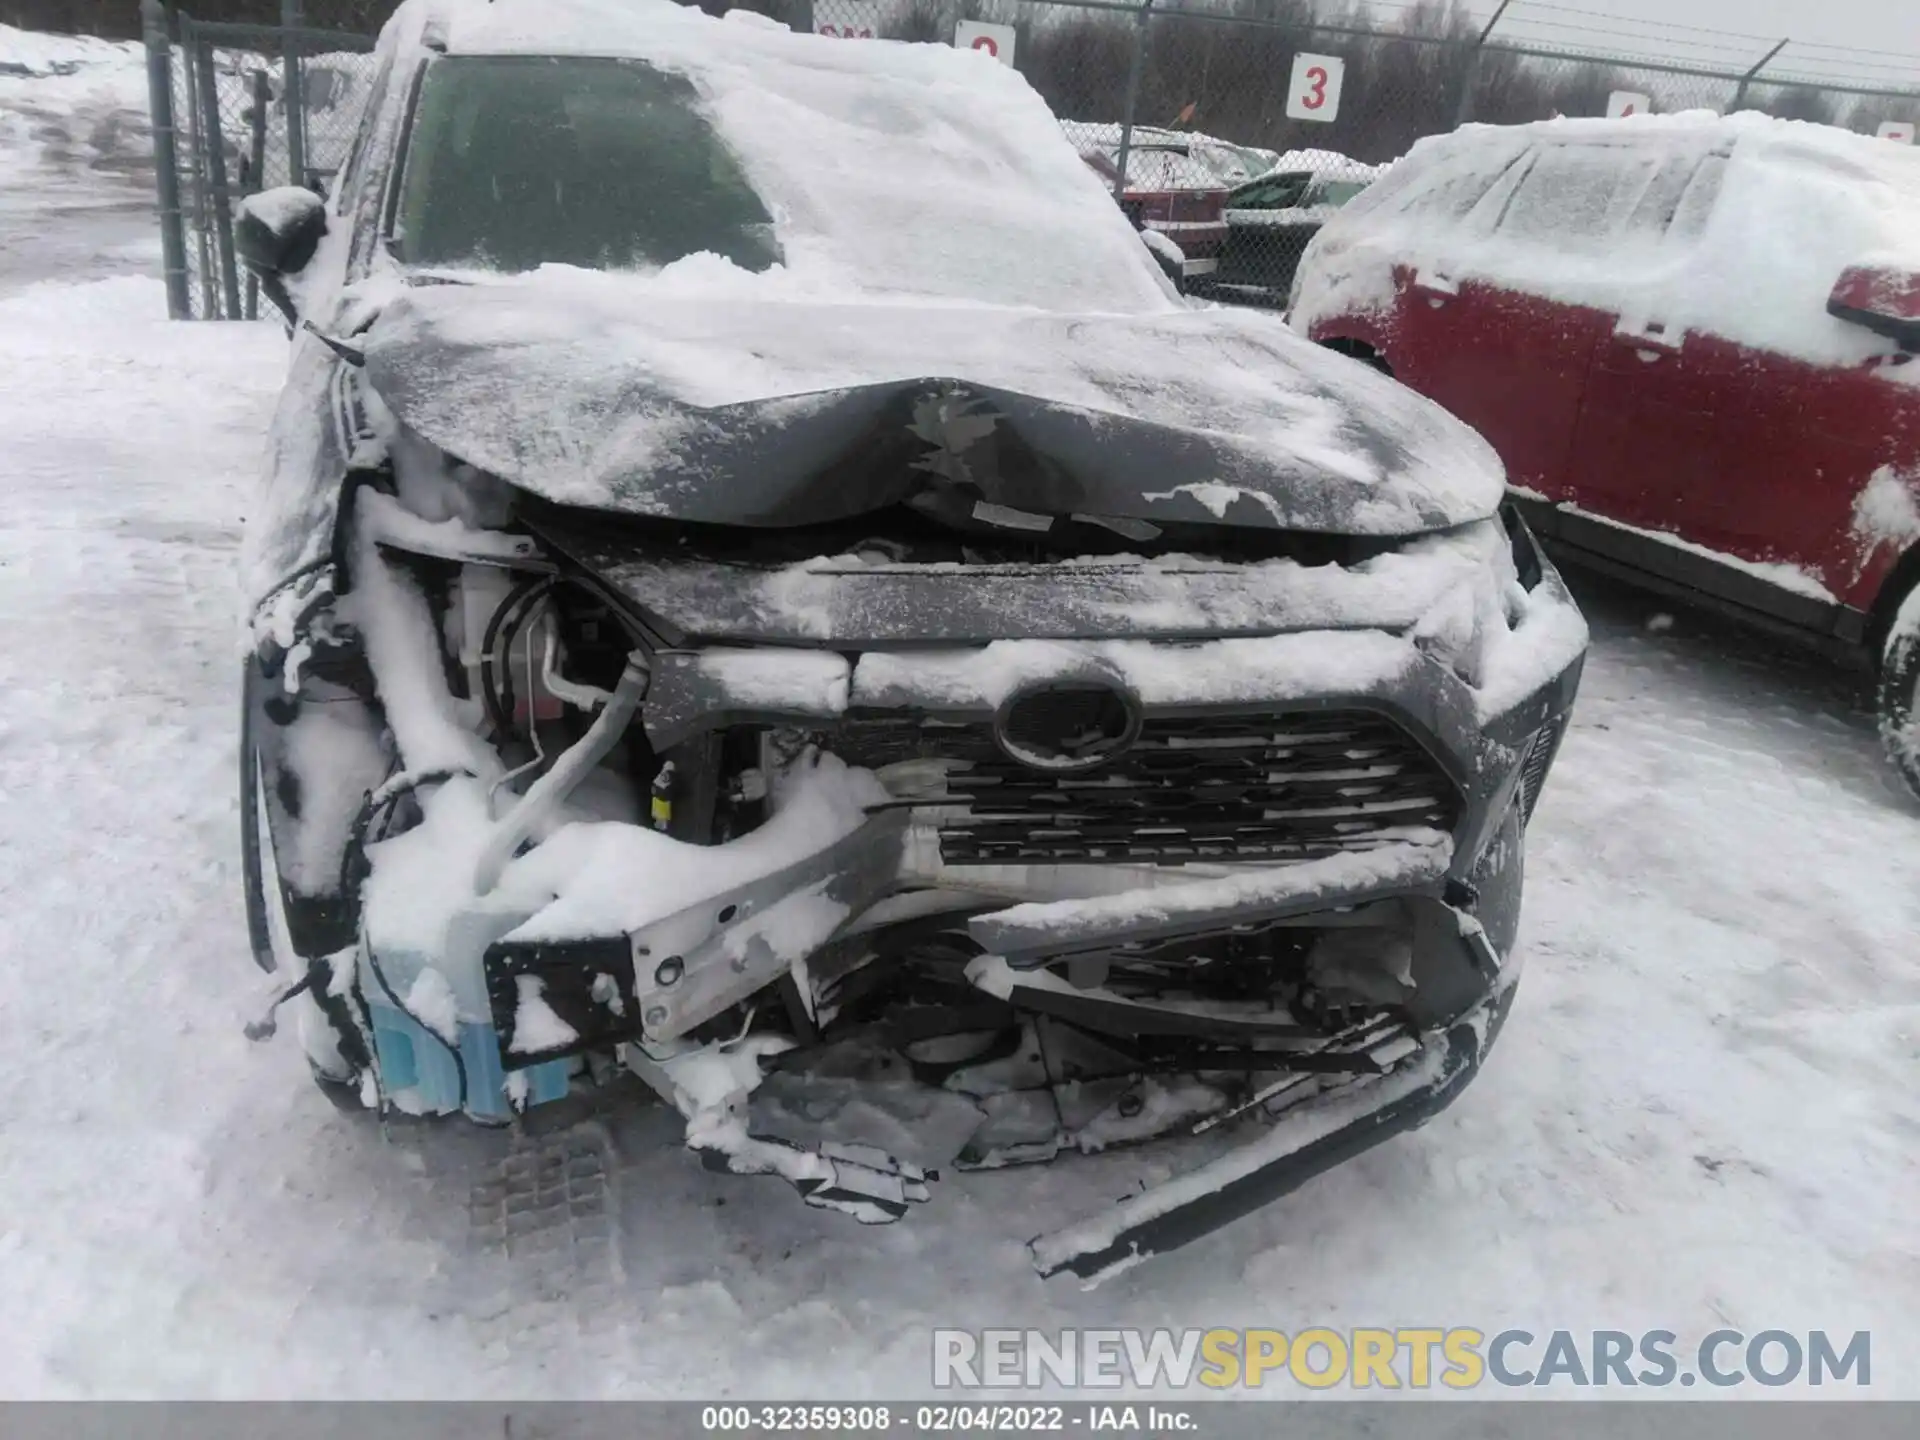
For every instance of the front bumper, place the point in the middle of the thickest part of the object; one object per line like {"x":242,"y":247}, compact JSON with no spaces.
{"x":1308,"y":1141}
{"x":1270,"y":795}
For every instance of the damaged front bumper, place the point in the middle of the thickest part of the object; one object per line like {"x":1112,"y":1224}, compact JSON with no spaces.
{"x":1045,"y":895}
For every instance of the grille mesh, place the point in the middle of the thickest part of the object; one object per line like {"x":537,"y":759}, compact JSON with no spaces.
{"x":1539,"y":760}
{"x":1266,"y":787}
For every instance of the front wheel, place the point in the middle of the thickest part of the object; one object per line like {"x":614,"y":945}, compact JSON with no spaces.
{"x":1900,"y":692}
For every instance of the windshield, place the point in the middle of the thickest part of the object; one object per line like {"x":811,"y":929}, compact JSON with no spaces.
{"x":518,"y":161}
{"x":1334,"y":192}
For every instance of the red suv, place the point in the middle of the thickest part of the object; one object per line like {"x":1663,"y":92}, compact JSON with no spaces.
{"x":1691,"y":338}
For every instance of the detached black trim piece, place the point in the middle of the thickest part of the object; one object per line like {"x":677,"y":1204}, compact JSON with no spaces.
{"x":1241,"y":1197}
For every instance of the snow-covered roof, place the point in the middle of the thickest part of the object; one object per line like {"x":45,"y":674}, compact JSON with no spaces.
{"x":1213,"y":158}
{"x":1329,"y":164}
{"x":1736,"y":226}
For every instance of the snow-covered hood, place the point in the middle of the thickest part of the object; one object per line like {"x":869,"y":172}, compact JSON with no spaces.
{"x":714,"y":404}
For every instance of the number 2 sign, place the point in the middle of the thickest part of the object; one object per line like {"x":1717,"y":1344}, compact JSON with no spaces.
{"x":1315,"y":91}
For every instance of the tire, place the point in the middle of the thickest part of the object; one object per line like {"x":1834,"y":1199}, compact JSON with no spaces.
{"x":1900,"y":692}
{"x":252,"y":833}
{"x":273,"y":949}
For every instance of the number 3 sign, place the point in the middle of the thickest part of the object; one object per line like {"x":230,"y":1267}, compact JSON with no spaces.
{"x":1315,"y":91}
{"x":996,"y":40}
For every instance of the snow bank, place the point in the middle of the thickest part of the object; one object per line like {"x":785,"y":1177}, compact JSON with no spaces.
{"x":36,"y":53}
{"x":54,"y":88}
{"x":1776,"y":210}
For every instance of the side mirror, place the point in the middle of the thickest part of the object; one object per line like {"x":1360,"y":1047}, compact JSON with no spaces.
{"x":275,"y":234}
{"x":1168,"y":255}
{"x":1881,"y":297}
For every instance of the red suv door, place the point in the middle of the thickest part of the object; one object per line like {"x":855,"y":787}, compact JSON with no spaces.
{"x":1657,"y":397}
{"x":1504,"y":355}
{"x":1743,"y":451}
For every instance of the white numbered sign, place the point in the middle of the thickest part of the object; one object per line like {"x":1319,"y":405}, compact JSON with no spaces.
{"x":1901,"y":130}
{"x":996,"y":40}
{"x":1315,"y":92}
{"x":1622,"y":103}
{"x":847,"y":19}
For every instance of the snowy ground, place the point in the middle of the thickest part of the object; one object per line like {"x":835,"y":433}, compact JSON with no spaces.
{"x":1702,"y":1113}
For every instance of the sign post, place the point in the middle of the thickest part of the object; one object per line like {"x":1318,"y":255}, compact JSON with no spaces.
{"x":996,"y":40}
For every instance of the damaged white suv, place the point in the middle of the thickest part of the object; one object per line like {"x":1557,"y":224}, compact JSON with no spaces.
{"x":841,"y":640}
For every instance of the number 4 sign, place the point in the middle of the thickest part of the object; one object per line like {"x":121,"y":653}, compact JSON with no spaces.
{"x":1315,"y":92}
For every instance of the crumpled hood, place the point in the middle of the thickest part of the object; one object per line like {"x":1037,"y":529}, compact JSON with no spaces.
{"x":616,"y":394}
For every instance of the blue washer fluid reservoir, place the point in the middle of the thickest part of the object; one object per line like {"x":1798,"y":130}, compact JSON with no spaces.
{"x":418,"y":1069}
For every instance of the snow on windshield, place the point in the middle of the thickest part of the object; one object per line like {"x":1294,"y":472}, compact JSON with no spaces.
{"x":1735,"y":226}
{"x":888,"y":169}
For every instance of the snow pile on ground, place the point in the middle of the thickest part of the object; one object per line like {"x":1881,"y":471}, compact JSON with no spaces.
{"x":46,"y":81}
{"x":1748,"y":248}
{"x":74,"y":137}
{"x":38,"y":53}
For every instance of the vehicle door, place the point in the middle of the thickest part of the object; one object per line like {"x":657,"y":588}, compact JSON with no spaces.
{"x":1662,"y":402}
{"x":1743,"y":450}
{"x":1254,"y":214}
{"x":1488,"y":321}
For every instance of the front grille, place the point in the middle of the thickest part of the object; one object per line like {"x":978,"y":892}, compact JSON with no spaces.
{"x":1239,"y":787}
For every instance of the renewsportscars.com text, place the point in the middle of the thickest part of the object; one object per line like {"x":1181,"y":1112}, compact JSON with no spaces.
{"x":1374,"y":1358}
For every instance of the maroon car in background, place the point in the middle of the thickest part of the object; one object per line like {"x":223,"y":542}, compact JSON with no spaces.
{"x":1170,"y":191}
{"x":1691,"y":338}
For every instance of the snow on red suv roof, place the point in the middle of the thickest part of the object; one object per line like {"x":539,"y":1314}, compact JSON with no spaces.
{"x":1620,"y":213}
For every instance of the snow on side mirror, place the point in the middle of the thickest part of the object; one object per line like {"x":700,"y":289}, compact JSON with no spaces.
{"x":1881,"y":297}
{"x":275,"y":235}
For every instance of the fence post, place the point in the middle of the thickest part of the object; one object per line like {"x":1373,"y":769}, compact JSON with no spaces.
{"x":256,"y":172}
{"x":293,"y":92}
{"x":1133,"y":94}
{"x":196,"y":168}
{"x":1470,"y":73}
{"x":166,"y":173}
{"x":216,"y":160}
{"x":1740,"y":94}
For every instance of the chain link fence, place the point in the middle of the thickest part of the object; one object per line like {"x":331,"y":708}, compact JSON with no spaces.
{"x":241,"y":108}
{"x":1235,"y":131}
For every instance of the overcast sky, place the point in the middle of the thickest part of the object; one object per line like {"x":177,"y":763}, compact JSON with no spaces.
{"x":1878,"y":25}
